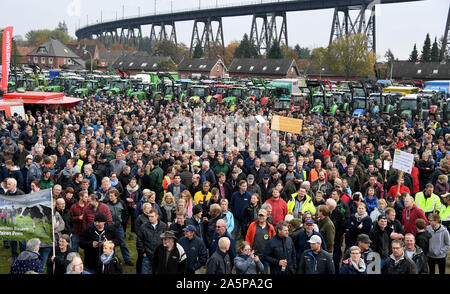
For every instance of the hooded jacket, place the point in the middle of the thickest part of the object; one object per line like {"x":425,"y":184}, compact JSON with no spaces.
{"x":409,"y":217}
{"x":27,"y":261}
{"x":420,"y":260}
{"x":380,"y":240}
{"x":423,"y":241}
{"x":439,"y":242}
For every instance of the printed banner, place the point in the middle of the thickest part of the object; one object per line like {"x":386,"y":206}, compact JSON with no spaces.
{"x":287,"y":124}
{"x":6,"y":58}
{"x":26,"y":216}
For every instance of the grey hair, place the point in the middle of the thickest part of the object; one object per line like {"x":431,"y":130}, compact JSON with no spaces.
{"x":72,"y":255}
{"x":331,"y":202}
{"x":71,"y":264}
{"x":223,"y":222}
{"x":266,"y":205}
{"x":355,"y":248}
{"x":33,"y":244}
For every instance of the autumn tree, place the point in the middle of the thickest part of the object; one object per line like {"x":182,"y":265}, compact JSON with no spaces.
{"x":230,"y":51}
{"x":350,"y":56}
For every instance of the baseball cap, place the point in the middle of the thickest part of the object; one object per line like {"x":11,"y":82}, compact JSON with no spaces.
{"x":250,"y":176}
{"x":363,"y":238}
{"x":309,"y":221}
{"x":266,"y":176}
{"x":390,"y":198}
{"x":315,"y":239}
{"x":190,"y":228}
{"x":196,"y":163}
{"x":263,"y":212}
{"x":100,"y":218}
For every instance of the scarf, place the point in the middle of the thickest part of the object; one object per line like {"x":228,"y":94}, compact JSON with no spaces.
{"x":168,"y":208}
{"x":114,"y":183}
{"x":359,"y":218}
{"x":132,"y":190}
{"x":360,"y":267}
{"x":106,"y":259}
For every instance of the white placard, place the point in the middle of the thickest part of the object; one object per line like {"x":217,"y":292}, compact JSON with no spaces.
{"x":403,"y":161}
{"x":386,"y":165}
{"x":260,"y":119}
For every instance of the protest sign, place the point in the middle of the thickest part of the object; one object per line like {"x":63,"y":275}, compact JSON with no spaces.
{"x":287,"y":124}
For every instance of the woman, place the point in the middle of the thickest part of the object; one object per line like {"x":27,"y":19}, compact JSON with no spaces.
{"x":132,"y":196}
{"x":89,"y":174}
{"x":250,"y":213}
{"x":379,"y":210}
{"x":59,"y":259}
{"x":354,"y":265}
{"x":168,"y":208}
{"x":115,"y":183}
{"x":110,"y":262}
{"x":359,"y":223}
{"x":103,"y":190}
{"x":309,"y":215}
{"x":186,"y":195}
{"x":181,"y":206}
{"x":247,"y":262}
{"x":76,"y":183}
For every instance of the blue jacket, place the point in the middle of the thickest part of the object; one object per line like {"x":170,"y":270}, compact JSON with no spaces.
{"x":301,"y":243}
{"x":239,"y":202}
{"x":278,"y":248}
{"x":27,"y":261}
{"x":215,"y":244}
{"x":348,"y":269}
{"x":371,"y":203}
{"x":209,"y":176}
{"x":196,"y":253}
{"x":170,"y":188}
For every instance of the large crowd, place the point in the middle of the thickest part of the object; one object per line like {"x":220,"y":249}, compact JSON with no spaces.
{"x":330,"y":203}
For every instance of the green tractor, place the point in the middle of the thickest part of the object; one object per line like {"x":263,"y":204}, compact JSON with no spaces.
{"x":197,"y":93}
{"x":116,"y":87}
{"x":56,"y":85}
{"x":87,"y":87}
{"x":281,"y":94}
{"x":72,"y":83}
{"x":235,"y":94}
{"x":140,"y":90}
{"x":412,"y":105}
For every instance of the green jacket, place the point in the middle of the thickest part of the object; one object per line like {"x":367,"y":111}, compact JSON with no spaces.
{"x":327,"y":230}
{"x":157,"y":176}
{"x":46,"y":184}
{"x":308,"y":205}
{"x":222,"y":169}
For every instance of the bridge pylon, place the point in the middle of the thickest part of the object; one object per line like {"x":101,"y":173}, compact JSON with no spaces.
{"x":268,"y":34}
{"x":159,"y":32}
{"x":211,"y":40}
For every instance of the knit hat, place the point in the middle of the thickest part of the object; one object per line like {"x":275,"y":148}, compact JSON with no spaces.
{"x":196,"y":209}
{"x":100,"y":218}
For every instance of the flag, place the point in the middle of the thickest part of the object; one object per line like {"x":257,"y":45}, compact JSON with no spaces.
{"x":24,"y":217}
{"x":6,"y":58}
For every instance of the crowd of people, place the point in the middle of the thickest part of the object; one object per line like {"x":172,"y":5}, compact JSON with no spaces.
{"x":329,"y":200}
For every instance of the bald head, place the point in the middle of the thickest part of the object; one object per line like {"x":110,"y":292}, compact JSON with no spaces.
{"x":60,"y":204}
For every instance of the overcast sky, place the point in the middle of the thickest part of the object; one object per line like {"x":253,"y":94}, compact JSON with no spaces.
{"x":398,"y":26}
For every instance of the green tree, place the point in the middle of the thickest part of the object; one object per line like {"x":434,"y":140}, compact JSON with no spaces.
{"x":350,"y":56}
{"x":318,"y":59}
{"x":434,"y":56}
{"x":37,"y":37}
{"x":275,"y":51}
{"x":414,"y":56}
{"x":426,"y":50}
{"x":167,"y":48}
{"x":245,"y":49}
{"x":167,"y":65}
{"x":62,"y":26}
{"x":303,"y":52}
{"x":198,"y":51}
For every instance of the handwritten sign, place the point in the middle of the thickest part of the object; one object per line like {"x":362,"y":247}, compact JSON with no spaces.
{"x":403,"y":161}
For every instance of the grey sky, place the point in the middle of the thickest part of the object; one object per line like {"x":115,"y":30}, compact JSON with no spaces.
{"x":398,"y":26}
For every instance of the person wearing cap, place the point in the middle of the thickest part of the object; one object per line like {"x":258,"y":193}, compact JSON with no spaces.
{"x":445,"y":211}
{"x":316,"y":260}
{"x":279,"y":251}
{"x":195,"y":249}
{"x":170,"y":256}
{"x":252,"y":187}
{"x":301,"y":240}
{"x":380,"y":239}
{"x":363,"y":242}
{"x":92,"y":238}
{"x":266,"y":187}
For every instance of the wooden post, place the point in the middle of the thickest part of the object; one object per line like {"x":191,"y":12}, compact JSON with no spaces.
{"x":53,"y":229}
{"x":400,"y":176}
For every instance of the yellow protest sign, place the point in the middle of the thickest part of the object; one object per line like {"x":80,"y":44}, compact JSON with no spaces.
{"x":287,"y":124}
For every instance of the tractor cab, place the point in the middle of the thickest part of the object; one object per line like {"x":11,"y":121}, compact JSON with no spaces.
{"x":197,"y":93}
{"x":412,"y":105}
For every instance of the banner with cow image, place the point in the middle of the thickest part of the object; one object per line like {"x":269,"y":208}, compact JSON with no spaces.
{"x":26,"y":216}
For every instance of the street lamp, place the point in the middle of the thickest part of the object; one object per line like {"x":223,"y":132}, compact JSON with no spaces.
{"x":321,"y":70}
{"x":85,"y":51}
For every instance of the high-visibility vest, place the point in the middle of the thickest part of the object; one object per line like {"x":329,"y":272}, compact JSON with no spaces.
{"x":444,"y":213}
{"x":432,"y":204}
{"x":166,"y":182}
{"x":308,"y":205}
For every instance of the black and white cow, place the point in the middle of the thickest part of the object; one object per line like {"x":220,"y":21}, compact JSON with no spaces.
{"x":38,"y":213}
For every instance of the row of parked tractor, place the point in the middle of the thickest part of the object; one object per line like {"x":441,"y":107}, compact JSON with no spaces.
{"x":297,"y":95}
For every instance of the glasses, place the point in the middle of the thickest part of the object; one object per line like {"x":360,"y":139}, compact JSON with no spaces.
{"x":247,"y":249}
{"x":218,"y":227}
{"x":261,"y":215}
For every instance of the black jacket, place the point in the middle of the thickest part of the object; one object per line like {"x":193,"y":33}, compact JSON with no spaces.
{"x":200,"y":227}
{"x":68,"y":221}
{"x":228,"y":190}
{"x":219,"y":264}
{"x":277,"y":249}
{"x":149,"y":238}
{"x":404,"y":266}
{"x":338,"y":219}
{"x":91,"y":254}
{"x":113,"y":267}
{"x":423,"y":241}
{"x":211,"y":229}
{"x":175,"y":263}
{"x":420,"y":260}
{"x":380,"y":241}
{"x":60,"y":261}
{"x":322,"y":263}
{"x":195,"y":252}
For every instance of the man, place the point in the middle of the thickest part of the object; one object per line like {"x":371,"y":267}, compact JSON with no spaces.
{"x":372,"y":182}
{"x":326,"y":227}
{"x":219,"y":262}
{"x":439,"y":244}
{"x":28,"y":260}
{"x":156,"y":175}
{"x":12,"y":190}
{"x":176,"y":187}
{"x":119,"y":215}
{"x":77,"y":212}
{"x":92,"y":238}
{"x":338,"y":219}
{"x":278,"y":205}
{"x":341,"y":205}
{"x":208,"y":173}
{"x":423,"y":236}
{"x":316,"y":260}
{"x":169,"y":257}
{"x":35,"y":170}
{"x":352,"y":179}
{"x":215,"y":213}
{"x":300,"y":203}
{"x":321,"y":184}
{"x":66,"y":215}
{"x":20,"y":155}
{"x":399,"y":262}
{"x":445,"y":211}
{"x":427,"y":201}
{"x":253,"y":188}
{"x":195,"y":185}
{"x":279,"y":252}
{"x":363,"y":242}
{"x":197,"y":221}
{"x":314,"y":173}
{"x":380,"y":239}
{"x":186,"y":175}
{"x":95,"y":207}
{"x":149,"y":238}
{"x":195,"y":250}
{"x":258,"y":171}
{"x":221,"y":232}
{"x":239,"y":200}
{"x":180,"y":223}
{"x":415,"y":253}
{"x":221,"y":166}
{"x":76,"y":267}
{"x":225,"y":191}
{"x":394,"y":227}
{"x":118,"y":164}
{"x":410,"y":214}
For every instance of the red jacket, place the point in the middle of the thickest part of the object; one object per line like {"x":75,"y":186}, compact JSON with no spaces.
{"x":250,"y":237}
{"x":393,"y":191}
{"x":90,"y":213}
{"x":415,"y":176}
{"x":409,"y":217}
{"x":279,"y":209}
